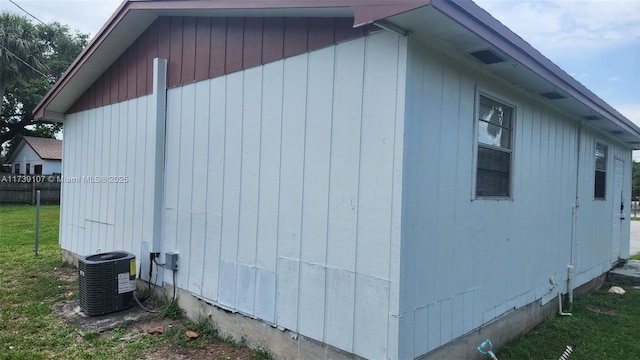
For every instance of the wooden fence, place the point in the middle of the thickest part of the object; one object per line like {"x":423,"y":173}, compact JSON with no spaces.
{"x":21,"y":189}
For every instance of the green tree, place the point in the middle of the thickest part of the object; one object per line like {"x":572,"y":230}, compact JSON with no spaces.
{"x":46,"y":50}
{"x":21,"y":54}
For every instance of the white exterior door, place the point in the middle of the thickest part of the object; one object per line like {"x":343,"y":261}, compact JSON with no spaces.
{"x":618,"y":211}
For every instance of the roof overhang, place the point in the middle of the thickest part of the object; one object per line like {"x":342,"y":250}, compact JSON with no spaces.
{"x":465,"y":28}
{"x":133,"y":17}
{"x":460,"y":25}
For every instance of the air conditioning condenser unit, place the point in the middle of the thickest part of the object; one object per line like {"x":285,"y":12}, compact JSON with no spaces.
{"x":107,"y":282}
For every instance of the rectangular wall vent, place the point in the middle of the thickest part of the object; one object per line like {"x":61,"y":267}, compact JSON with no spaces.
{"x":552,"y":95}
{"x":488,"y":56}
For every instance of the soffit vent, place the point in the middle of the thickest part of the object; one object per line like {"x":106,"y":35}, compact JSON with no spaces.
{"x":552,"y":95}
{"x":591,"y":117}
{"x":617,"y":132}
{"x":488,"y":56}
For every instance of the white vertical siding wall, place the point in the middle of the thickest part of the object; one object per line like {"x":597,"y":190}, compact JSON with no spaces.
{"x":595,"y":217}
{"x":104,"y":216}
{"x":279,"y":190}
{"x":467,"y":261}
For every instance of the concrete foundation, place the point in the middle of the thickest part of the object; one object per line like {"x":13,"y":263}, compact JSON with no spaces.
{"x":69,"y":257}
{"x":507,"y":327}
{"x":285,"y":344}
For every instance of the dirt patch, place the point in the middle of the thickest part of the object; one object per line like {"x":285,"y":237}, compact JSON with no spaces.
{"x":138,"y":324}
{"x":66,"y":273}
{"x":71,"y":313}
{"x":600,"y":310}
{"x":212,"y":350}
{"x":217,"y":351}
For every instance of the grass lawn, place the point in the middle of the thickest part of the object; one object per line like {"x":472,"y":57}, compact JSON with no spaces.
{"x":603,"y":326}
{"x":30,"y":286}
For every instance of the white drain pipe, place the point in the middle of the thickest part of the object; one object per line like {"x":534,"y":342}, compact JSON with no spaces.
{"x":560,"y":306}
{"x":574,"y":220}
{"x":570,"y":274}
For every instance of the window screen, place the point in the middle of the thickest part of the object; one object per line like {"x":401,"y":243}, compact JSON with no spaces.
{"x":601,"y":172}
{"x":495,"y":128}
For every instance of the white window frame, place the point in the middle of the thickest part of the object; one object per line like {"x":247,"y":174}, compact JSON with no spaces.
{"x":476,"y":144}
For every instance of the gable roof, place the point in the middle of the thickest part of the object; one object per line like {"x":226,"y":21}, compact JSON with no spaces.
{"x":46,"y":148}
{"x":134,"y":16}
{"x":460,"y":25}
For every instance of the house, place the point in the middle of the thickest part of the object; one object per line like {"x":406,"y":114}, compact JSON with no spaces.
{"x":372,"y":178}
{"x":36,"y":155}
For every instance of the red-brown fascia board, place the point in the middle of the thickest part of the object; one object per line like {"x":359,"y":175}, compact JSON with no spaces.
{"x":364,"y":12}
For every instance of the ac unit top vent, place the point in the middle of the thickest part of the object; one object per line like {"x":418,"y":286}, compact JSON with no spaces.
{"x":114,"y":255}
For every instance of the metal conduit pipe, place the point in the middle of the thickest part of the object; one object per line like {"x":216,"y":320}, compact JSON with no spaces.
{"x":574,"y":222}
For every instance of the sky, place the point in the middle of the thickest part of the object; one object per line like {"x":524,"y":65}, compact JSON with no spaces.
{"x":595,"y":41}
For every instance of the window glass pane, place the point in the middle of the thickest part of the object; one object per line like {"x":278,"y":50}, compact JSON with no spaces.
{"x":492,"y":183}
{"x":501,"y":139}
{"x":600,"y":178}
{"x":600,"y":182}
{"x":492,"y":178}
{"x":495,"y":123}
{"x":493,"y":159}
{"x":601,"y":157}
{"x":495,"y":127}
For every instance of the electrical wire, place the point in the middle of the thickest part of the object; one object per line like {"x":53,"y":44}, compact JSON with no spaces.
{"x":174,"y":284}
{"x":16,"y":56}
{"x":157,"y":271}
{"x":142,"y":306}
{"x":174,"y":276}
{"x":155,"y":283}
{"x":26,"y":12}
{"x":26,"y":63}
{"x":146,"y":297}
{"x":156,"y":262}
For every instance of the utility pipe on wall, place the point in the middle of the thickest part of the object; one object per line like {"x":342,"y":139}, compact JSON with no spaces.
{"x":570,"y":285}
{"x":158,"y":134}
{"x":574,"y":220}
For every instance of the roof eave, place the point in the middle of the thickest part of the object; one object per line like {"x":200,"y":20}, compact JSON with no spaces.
{"x":480,"y":22}
{"x":139,"y":14}
{"x":129,"y":21}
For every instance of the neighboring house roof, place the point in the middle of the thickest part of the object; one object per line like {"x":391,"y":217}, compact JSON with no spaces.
{"x":46,"y":148}
{"x":459,"y":25}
